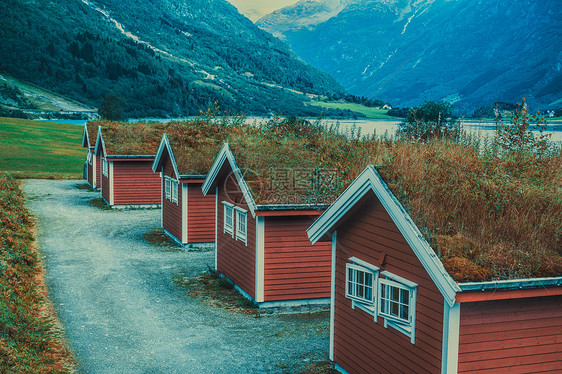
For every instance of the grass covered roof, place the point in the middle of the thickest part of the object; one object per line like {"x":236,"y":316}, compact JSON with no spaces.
{"x":92,"y":129}
{"x":487,"y":216}
{"x":130,"y":139}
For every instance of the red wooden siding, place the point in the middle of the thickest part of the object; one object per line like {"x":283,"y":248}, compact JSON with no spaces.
{"x":235,"y":259}
{"x":200,"y":215}
{"x":134,"y":183}
{"x":294,"y":269}
{"x":515,"y":336}
{"x":171,"y":212}
{"x":360,"y":344}
{"x":98,"y":170}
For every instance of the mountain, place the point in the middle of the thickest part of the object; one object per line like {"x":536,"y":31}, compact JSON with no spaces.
{"x":306,"y":14}
{"x":406,"y":51}
{"x":164,"y":57}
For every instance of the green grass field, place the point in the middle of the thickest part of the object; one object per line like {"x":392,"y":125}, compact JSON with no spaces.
{"x":35,"y":149}
{"x":371,"y":113}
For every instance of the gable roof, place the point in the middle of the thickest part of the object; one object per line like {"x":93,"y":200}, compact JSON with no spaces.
{"x":89,"y":135}
{"x":85,"y":139}
{"x":166,"y":151}
{"x":99,"y":143}
{"x":129,"y":139}
{"x":249,"y":181}
{"x":224,"y":161}
{"x":369,"y":181}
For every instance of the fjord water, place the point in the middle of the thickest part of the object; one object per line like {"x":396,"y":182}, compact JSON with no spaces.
{"x":367,"y":127}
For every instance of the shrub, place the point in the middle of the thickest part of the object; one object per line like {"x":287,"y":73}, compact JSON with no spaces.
{"x":432,"y":120}
{"x":516,"y":137}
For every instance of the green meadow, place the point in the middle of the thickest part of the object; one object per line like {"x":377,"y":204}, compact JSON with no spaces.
{"x":370,"y":113}
{"x":35,"y":149}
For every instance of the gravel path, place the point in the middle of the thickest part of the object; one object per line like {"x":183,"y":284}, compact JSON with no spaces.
{"x":122,"y":311}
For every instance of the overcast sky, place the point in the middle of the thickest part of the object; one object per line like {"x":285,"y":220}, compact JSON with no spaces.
{"x":254,"y":9}
{"x":274,"y":4}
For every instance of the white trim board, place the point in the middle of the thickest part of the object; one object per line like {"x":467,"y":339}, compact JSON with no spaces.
{"x":111,"y":184}
{"x":450,"y":349}
{"x":333,"y":295}
{"x":184,"y":213}
{"x":260,"y":258}
{"x":216,"y":223}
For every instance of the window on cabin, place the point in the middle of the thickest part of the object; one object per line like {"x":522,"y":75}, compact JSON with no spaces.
{"x":105,"y":167}
{"x":175,"y":186}
{"x":360,"y":285}
{"x":228,"y":218}
{"x":171,"y":189}
{"x":397,"y":303}
{"x":382,"y":294}
{"x":242,"y":225}
{"x":168,"y":187}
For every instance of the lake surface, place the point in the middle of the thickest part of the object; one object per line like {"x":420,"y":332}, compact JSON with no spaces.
{"x":483,"y":129}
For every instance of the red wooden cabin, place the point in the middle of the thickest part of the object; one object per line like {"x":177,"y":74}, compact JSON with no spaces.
{"x":395,"y":308}
{"x":187,"y":215}
{"x":93,"y":162}
{"x":263,"y":248}
{"x":126,"y":178}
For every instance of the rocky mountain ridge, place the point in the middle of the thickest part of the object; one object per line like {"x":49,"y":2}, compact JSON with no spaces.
{"x":406,"y":51}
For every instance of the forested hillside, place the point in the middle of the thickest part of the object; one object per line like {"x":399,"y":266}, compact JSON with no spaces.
{"x":468,"y":52}
{"x":163,"y":57}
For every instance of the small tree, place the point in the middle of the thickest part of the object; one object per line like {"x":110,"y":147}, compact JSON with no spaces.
{"x":111,"y":108}
{"x":432,"y":120}
{"x":517,"y":136}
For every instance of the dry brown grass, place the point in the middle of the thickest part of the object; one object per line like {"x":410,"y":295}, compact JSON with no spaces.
{"x":31,"y":339}
{"x":486,"y":217}
{"x":211,"y":289}
{"x":122,"y":138}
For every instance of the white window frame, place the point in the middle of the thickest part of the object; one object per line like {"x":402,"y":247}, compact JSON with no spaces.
{"x":89,"y":157}
{"x":105,"y":167}
{"x":228,"y":211}
{"x":171,"y":189}
{"x":168,"y":187}
{"x":241,"y":232}
{"x":175,"y":186}
{"x":353,"y":286}
{"x":378,"y":306}
{"x":407,"y":325}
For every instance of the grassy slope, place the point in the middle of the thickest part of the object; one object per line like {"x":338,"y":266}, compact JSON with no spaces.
{"x":371,"y":113}
{"x":30,"y":339}
{"x":40,"y":149}
{"x":42,"y":98}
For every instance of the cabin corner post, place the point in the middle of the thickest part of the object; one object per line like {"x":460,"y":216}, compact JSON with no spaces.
{"x":184,"y":215}
{"x":216,"y":224}
{"x":450,"y":349}
{"x":260,"y":258}
{"x":111,"y":184}
{"x":333,"y":294}
{"x":162,"y":196}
